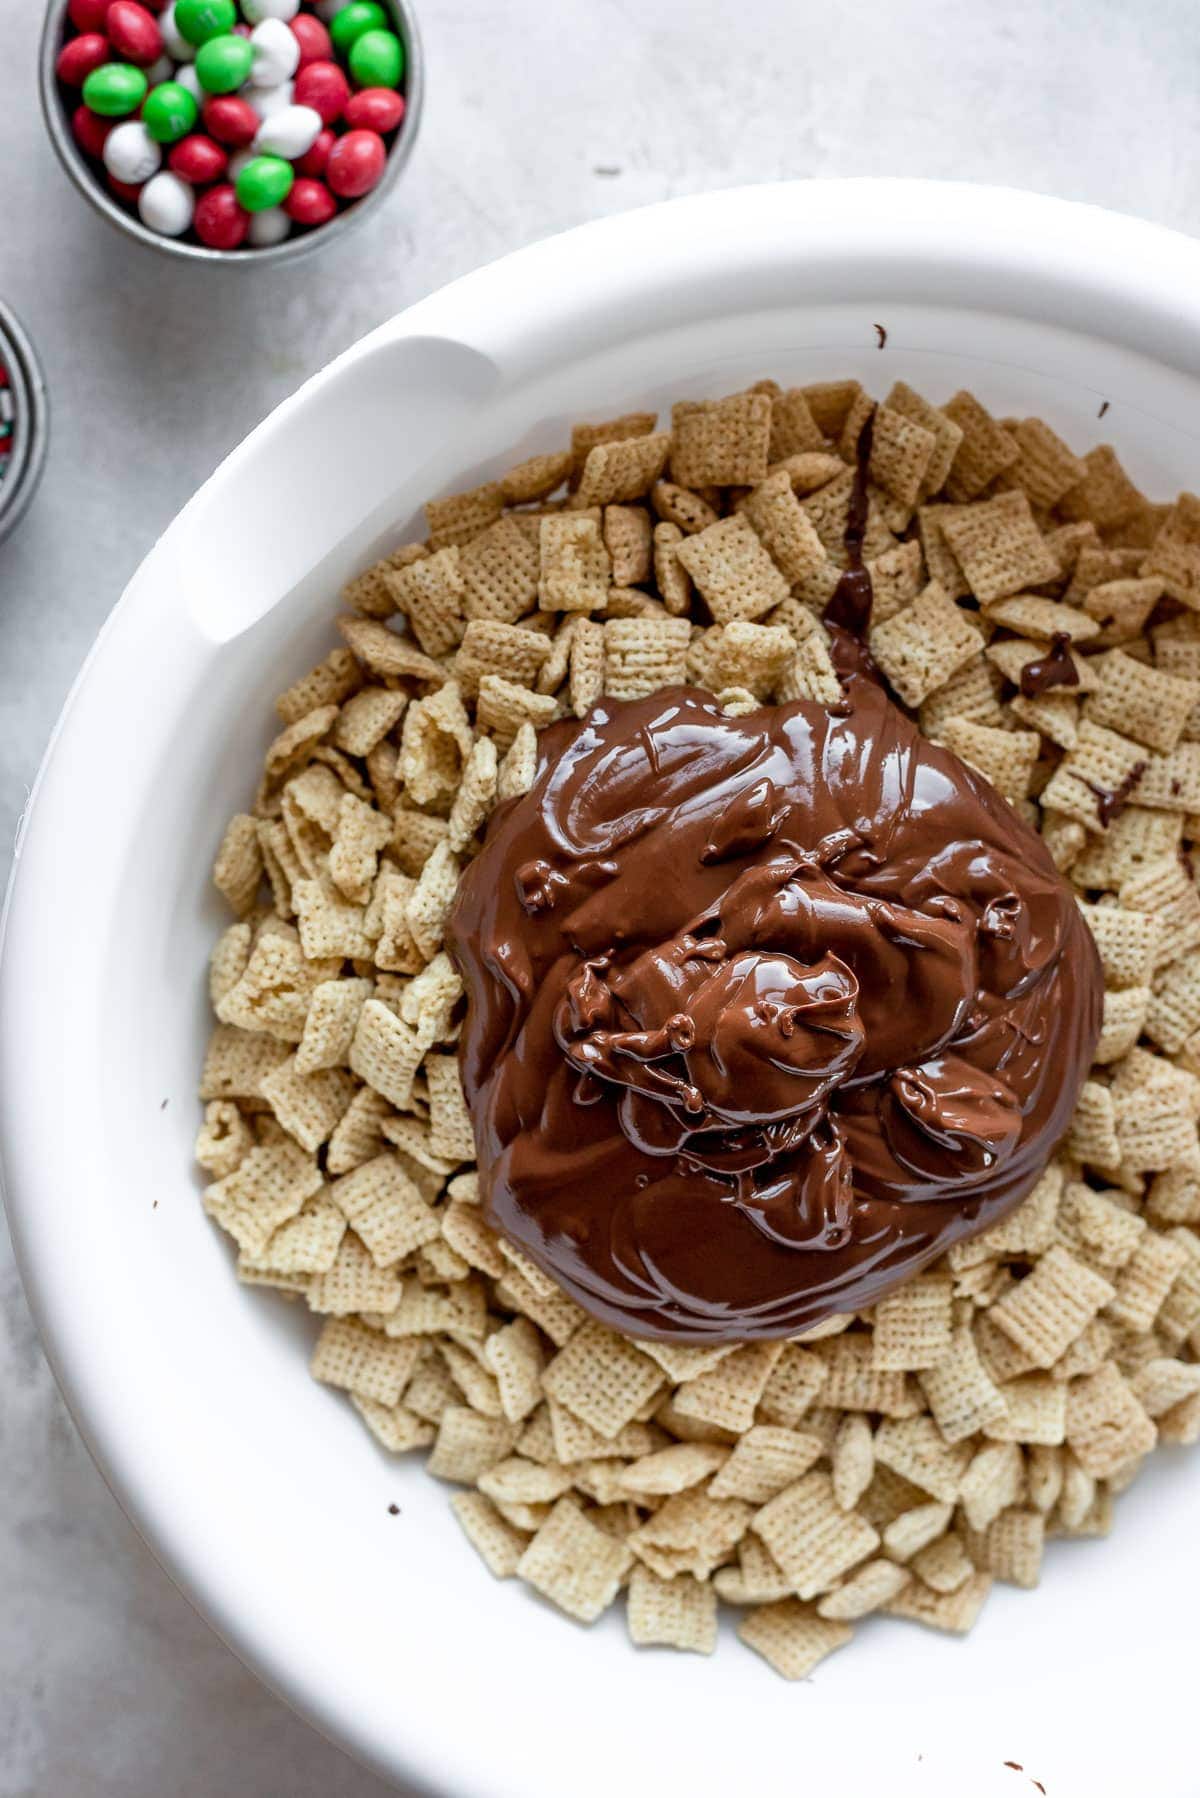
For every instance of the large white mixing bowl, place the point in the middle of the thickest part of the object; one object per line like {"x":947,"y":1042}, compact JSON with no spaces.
{"x":261,"y":1492}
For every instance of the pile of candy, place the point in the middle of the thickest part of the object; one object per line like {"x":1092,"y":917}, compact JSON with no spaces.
{"x":7,"y":420}
{"x":234,"y":126}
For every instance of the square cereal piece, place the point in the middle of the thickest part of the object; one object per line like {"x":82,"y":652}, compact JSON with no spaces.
{"x":536,"y":478}
{"x":1146,"y":1279}
{"x":781,"y":523}
{"x":1122,"y":608}
{"x":585,"y":437}
{"x":273,"y":992}
{"x":1106,"y":496}
{"x":307,"y":1244}
{"x":1174,"y":1010}
{"x":854,"y":1383}
{"x":497,"y":1543}
{"x":1141,"y":702}
{"x":386,"y":1053}
{"x":575,"y":571}
{"x":943,"y":1565}
{"x":490,"y":647}
{"x":1127,"y":942}
{"x":1051,"y":1306}
{"x":1103,"y":765}
{"x":999,"y":547}
{"x":915,"y":1448}
{"x":367,"y":718}
{"x":830,"y":403}
{"x":867,"y":1589}
{"x":360,"y":836}
{"x":913,"y":1325}
{"x":395,"y":1426}
{"x":1006,"y":758}
{"x":791,"y":1637}
{"x":642,"y":655}
{"x":329,"y":683}
{"x":986,"y":449}
{"x":467,"y":1443}
{"x":670,"y":576}
{"x":353,"y":1284}
{"x":674,"y":1613}
{"x":435,"y":741}
{"x":428,"y":905}
{"x":922,"y":646}
{"x":1172,"y":782}
{"x":901,"y":453}
{"x":223,"y":1139}
{"x":1045,"y":468}
{"x":1013,"y":1551}
{"x":228,"y":961}
{"x":753,"y":1578}
{"x":897,"y":577}
{"x":939,"y":558}
{"x":852,"y":1459}
{"x":602,"y":1378}
{"x":914,"y":1529}
{"x":238,"y":868}
{"x":765,"y":1459}
{"x":514,"y":1355}
{"x":810,"y":674}
{"x":727,"y":1395}
{"x":615,"y":473}
{"x":268,"y":1186}
{"x":992,"y":1481}
{"x":386,"y":1209}
{"x":627,"y":538}
{"x":972,"y":693}
{"x":430,"y":595}
{"x":961,"y":1394}
{"x":385,"y":652}
{"x":308,"y":1105}
{"x":691,"y":1533}
{"x":461,"y":516}
{"x":954,"y":1611}
{"x":721,"y":443}
{"x":1174,"y":555}
{"x":1106,"y":1426}
{"x":828,"y":511}
{"x":575,"y":1565}
{"x":237,"y":1062}
{"x":504,"y":706}
{"x":363,"y":1361}
{"x":687,"y":511}
{"x":666,"y":1471}
{"x":947,"y":435}
{"x":1034,"y":1411}
{"x":812,"y":1539}
{"x":793,"y":427}
{"x":499,"y":573}
{"x":585,"y":680}
{"x":733,"y":570}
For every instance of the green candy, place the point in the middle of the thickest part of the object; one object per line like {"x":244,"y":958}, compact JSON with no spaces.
{"x":265,"y":181}
{"x":170,"y":112}
{"x":115,"y":89}
{"x":199,"y":20}
{"x":377,"y":59}
{"x":223,"y":63}
{"x":353,"y":20}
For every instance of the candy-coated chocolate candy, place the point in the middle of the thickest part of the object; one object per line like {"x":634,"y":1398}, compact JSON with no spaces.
{"x":88,"y":15}
{"x":200,"y":20}
{"x":134,"y":32}
{"x":220,"y":222}
{"x":265,"y":181}
{"x":169,"y":112}
{"x":276,"y":54}
{"x":224,"y":63}
{"x":312,"y":37}
{"x":187,"y":77}
{"x":377,"y":59}
{"x":230,"y":120}
{"x":130,"y":153}
{"x":268,"y":227}
{"x":258,"y":10}
{"x":115,"y":90}
{"x":166,"y":204}
{"x":177,"y":45}
{"x":355,"y":164}
{"x":375,"y":109}
{"x":290,"y":132}
{"x":310,"y":202}
{"x":90,"y":130}
{"x":353,"y":20}
{"x":79,"y":56}
{"x":162,"y":70}
{"x":315,"y":161}
{"x":267,"y":101}
{"x":198,"y":159}
{"x":324,"y":87}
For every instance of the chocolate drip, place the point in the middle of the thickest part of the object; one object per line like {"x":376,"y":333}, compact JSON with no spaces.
{"x":849,"y":607}
{"x":1111,"y":803}
{"x":1055,"y":669}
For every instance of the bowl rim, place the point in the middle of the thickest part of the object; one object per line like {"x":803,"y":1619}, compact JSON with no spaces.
{"x":32,"y":407}
{"x":77,"y":167}
{"x":1127,"y":276}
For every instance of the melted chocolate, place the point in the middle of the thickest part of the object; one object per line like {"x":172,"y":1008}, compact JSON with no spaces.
{"x":764,"y":1011}
{"x":1110,"y":803}
{"x":1055,"y":669}
{"x":850,"y":604}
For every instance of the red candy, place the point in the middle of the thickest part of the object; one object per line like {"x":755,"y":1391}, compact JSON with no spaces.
{"x":197,"y":159}
{"x":316,"y":160}
{"x":322,"y":86}
{"x":79,"y":56}
{"x":314,"y":41}
{"x":220,"y":222}
{"x":90,"y":130}
{"x":133,"y":32}
{"x":230,"y":120}
{"x":355,"y":164}
{"x":125,"y":190}
{"x":310,"y":202}
{"x":375,"y":109}
{"x":88,"y":15}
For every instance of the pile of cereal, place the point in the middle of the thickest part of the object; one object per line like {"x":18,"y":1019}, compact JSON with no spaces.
{"x":266,"y":118}
{"x":899,"y":1460}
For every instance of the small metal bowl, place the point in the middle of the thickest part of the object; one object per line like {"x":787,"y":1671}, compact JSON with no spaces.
{"x":31,"y":422}
{"x":56,"y":112}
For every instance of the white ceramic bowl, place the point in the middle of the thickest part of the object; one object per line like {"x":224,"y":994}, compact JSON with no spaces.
{"x":260,"y":1491}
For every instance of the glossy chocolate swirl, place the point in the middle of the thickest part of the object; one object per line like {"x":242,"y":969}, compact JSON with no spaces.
{"x":764,"y":1011}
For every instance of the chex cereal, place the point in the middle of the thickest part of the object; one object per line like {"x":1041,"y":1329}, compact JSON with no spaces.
{"x":1039,"y":617}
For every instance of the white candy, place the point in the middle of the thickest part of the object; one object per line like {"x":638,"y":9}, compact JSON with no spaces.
{"x":162,"y":70}
{"x":130,"y":153}
{"x":276,"y":53}
{"x":267,"y":101}
{"x":255,"y":11}
{"x":187,"y":77}
{"x":329,"y":9}
{"x":268,"y":227}
{"x":166,"y":204}
{"x":288,"y":133}
{"x":177,"y":45}
{"x":237,"y":162}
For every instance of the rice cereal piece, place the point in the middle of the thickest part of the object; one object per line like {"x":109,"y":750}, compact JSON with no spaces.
{"x":946,"y":434}
{"x":1172,"y":781}
{"x":236,"y":1063}
{"x":435,"y":742}
{"x":765,"y":1459}
{"x":912,"y":1325}
{"x":362,"y":1361}
{"x":1121,"y":608}
{"x":224,"y":1139}
{"x":386,"y":1209}
{"x":999,"y":547}
{"x":329,"y":683}
{"x":956,"y":1611}
{"x":784,"y":529}
{"x":827,"y":510}
{"x":986,"y":449}
{"x":853,"y":1459}
{"x":901,"y":453}
{"x":615,"y":473}
{"x":1144,"y":1282}
{"x":504,"y":706}
{"x":362,"y":834}
{"x":1035,"y":1412}
{"x":733,"y":570}
{"x":499,"y":571}
{"x":429,"y":903}
{"x":461,"y":516}
{"x":468,"y":1444}
{"x":308,"y":1105}
{"x":268,"y":1186}
{"x":1046,"y":468}
{"x":273,"y":992}
{"x":961,"y":1394}
{"x":914,"y":1529}
{"x":670,"y":576}
{"x":238,"y":868}
{"x":727,"y":1395}
{"x":229,"y":960}
{"x":491,"y":647}
{"x":691,"y":1532}
{"x":536,"y":478}
{"x":1174,"y":1010}
{"x":585,"y":437}
{"x":943,"y":1565}
{"x":972,"y":694}
{"x":939,"y":558}
{"x":753,"y":1578}
{"x":675,"y":1613}
{"x":1103,"y":763}
{"x":1163,"y":1383}
{"x":353,"y":1285}
{"x":627,"y":538}
{"x":922,"y":646}
{"x":307,"y":1244}
{"x":602,"y":1378}
{"x":642,"y":655}
{"x":813,"y":1540}
{"x":518,"y":765}
{"x":386,"y":653}
{"x":721,"y":443}
{"x":1106,"y":1426}
{"x":395,"y":1426}
{"x":575,"y":572}
{"x":367,"y":718}
{"x":429,"y":1002}
{"x":915,"y":1448}
{"x":1141,"y":702}
{"x":792,"y":1637}
{"x":1051,"y":1306}
{"x":576,"y":1566}
{"x":897,"y":577}
{"x":430,"y":595}
{"x":1106,"y":495}
{"x":1127,"y":942}
{"x":687,"y":511}
{"x":1096,"y":1228}
{"x":673,"y":1469}
{"x":386,"y":1053}
{"x":1006,"y":758}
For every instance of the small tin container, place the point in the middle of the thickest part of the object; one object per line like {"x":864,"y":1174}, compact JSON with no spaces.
{"x":26,"y":390}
